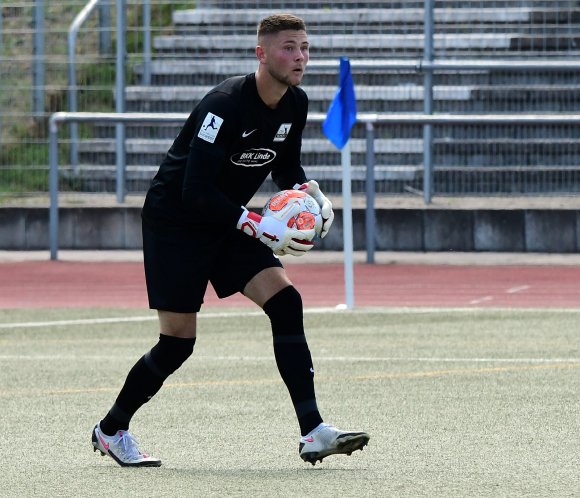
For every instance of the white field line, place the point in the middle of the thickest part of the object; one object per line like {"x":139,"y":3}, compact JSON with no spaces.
{"x":81,"y":321}
{"x":519,"y":288}
{"x":96,"y":321}
{"x":237,"y":314}
{"x":512,"y":290}
{"x":330,"y":359}
{"x":480,"y":300}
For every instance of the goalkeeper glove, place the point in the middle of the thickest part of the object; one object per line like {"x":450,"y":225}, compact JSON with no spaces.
{"x":326,"y":211}
{"x":275,"y":234}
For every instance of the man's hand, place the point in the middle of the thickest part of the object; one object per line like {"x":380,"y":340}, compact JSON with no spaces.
{"x":275,"y":234}
{"x":326,"y":211}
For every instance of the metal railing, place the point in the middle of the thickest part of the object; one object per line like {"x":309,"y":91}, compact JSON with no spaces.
{"x":73,"y":31}
{"x":370,"y":119}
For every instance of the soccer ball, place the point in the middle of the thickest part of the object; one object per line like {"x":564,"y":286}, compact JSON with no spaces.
{"x":296,"y":208}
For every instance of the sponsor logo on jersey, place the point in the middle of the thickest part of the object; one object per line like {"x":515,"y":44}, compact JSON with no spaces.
{"x":210,"y":127}
{"x":252,"y":158}
{"x":282,"y":132}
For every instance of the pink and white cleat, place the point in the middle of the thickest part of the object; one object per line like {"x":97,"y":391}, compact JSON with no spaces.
{"x":327,"y":440}
{"x":122,"y":447}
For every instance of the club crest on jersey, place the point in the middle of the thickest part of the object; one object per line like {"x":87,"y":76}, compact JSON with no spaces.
{"x":252,"y":158}
{"x":210,"y":127}
{"x":282,"y":132}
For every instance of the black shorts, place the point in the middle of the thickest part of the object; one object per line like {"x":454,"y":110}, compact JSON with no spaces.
{"x":179,"y":263}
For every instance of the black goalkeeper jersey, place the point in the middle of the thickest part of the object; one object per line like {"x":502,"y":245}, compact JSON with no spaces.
{"x":227,"y":147}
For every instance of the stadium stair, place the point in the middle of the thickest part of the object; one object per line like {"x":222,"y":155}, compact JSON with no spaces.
{"x":217,"y":40}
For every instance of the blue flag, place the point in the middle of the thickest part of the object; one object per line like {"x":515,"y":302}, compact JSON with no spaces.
{"x":342,"y":111}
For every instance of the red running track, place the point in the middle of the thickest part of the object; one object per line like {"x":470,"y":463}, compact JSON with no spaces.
{"x":49,"y":284}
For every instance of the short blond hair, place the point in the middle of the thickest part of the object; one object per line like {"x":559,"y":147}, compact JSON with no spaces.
{"x":280,"y":22}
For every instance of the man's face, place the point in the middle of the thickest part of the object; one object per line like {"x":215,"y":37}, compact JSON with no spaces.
{"x":285,"y":56}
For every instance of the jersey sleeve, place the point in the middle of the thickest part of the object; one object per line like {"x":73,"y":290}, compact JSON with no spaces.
{"x":213,"y":131}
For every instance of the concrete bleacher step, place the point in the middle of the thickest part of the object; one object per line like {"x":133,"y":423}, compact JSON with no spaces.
{"x":335,"y":44}
{"x":393,"y":4}
{"x":380,"y":45}
{"x":385,"y":20}
{"x":146,"y":172}
{"x":388,"y":178}
{"x":369,"y":98}
{"x":507,"y":153}
{"x":306,"y":4}
{"x":151,"y":151}
{"x":320,"y":71}
{"x":447,"y":151}
{"x":400,"y":98}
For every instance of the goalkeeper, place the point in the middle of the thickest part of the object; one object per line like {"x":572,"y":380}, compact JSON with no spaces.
{"x":196,"y":230}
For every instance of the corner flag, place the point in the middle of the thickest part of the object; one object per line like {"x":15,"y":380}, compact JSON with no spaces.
{"x":342,"y":111}
{"x":340,"y":119}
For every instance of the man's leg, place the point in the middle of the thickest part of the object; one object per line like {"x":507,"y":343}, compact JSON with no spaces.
{"x":144,"y":380}
{"x":175,"y":345}
{"x":273,"y":291}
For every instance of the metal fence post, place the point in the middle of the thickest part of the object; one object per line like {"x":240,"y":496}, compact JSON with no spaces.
{"x":53,"y":186}
{"x":1,"y":35}
{"x":120,"y":99}
{"x":147,"y":42}
{"x":370,"y":194}
{"x":428,"y":104}
{"x":38,"y":71}
{"x":72,"y":97}
{"x":105,"y":43}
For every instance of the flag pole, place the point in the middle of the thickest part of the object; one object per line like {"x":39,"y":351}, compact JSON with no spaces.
{"x":347,"y":226}
{"x":340,"y":118}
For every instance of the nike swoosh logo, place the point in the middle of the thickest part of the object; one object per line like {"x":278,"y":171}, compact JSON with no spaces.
{"x":105,"y":445}
{"x":248,"y":133}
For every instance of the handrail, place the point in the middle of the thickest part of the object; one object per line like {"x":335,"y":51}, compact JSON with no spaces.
{"x":73,"y":30}
{"x":368,"y":118}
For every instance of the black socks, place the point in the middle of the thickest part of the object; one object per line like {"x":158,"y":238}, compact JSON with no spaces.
{"x":145,"y":379}
{"x":290,"y":350}
{"x":293,"y":356}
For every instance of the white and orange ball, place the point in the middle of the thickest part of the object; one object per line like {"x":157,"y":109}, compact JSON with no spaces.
{"x":296,"y":208}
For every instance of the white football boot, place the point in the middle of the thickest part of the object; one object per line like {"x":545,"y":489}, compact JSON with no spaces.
{"x":122,"y":448}
{"x":327,"y":440}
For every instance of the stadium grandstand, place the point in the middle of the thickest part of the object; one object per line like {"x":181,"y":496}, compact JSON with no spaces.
{"x":495,"y":57}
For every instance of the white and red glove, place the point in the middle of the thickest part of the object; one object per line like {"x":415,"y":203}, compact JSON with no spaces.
{"x":275,"y":234}
{"x":311,"y":188}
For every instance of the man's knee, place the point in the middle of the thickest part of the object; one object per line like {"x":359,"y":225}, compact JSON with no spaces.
{"x":266,"y":284}
{"x":285,"y":311}
{"x":182,"y":325}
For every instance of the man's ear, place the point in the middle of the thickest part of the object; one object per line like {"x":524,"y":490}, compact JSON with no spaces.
{"x":260,"y":53}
